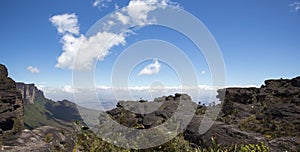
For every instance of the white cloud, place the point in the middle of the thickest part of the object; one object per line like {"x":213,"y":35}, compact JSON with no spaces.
{"x":124,"y":19}
{"x":204,"y":93}
{"x":68,"y":89}
{"x":150,"y":69}
{"x":98,"y":46}
{"x":101,"y":3}
{"x":65,"y":23}
{"x":107,"y":95}
{"x":137,"y":11}
{"x":87,"y":49}
{"x":295,"y":6}
{"x":203,"y":72}
{"x":33,"y":69}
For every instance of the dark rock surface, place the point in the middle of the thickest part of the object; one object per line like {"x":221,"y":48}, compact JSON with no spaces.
{"x":269,"y":114}
{"x":273,"y":111}
{"x":11,"y":106}
{"x":146,"y":114}
{"x":226,"y":134}
{"x":43,"y":139}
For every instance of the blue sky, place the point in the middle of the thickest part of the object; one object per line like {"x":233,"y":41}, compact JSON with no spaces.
{"x":258,"y":40}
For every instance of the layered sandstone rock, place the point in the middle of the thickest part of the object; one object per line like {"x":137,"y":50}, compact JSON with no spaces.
{"x":11,"y":106}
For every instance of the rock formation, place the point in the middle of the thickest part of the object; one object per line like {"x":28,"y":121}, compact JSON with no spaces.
{"x":29,"y":92}
{"x":13,"y":137}
{"x":273,"y":111}
{"x":269,"y":114}
{"x":11,"y":106}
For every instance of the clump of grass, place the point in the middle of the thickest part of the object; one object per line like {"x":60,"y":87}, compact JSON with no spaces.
{"x":48,"y":138}
{"x":255,"y":148}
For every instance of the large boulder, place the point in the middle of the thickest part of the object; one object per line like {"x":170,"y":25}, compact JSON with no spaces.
{"x":225,"y":134}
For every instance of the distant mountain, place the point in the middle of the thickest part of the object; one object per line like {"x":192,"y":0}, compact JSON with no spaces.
{"x":29,"y":92}
{"x":40,"y":111}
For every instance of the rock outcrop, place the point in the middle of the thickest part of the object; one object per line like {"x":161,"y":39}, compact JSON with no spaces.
{"x":269,"y":114}
{"x":11,"y":106}
{"x":29,"y":92}
{"x":273,"y":111}
{"x":165,"y":107}
{"x":148,"y":114}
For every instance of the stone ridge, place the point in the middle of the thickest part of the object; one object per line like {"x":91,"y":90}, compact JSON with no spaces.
{"x":11,"y":106}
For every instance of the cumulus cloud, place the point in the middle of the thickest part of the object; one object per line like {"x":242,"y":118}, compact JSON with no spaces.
{"x":150,"y":69}
{"x":86,"y":50}
{"x":65,"y":23}
{"x":33,"y":69}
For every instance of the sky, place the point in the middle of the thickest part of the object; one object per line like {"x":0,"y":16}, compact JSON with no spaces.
{"x":46,"y":42}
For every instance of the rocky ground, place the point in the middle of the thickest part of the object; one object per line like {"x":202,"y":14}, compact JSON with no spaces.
{"x":43,"y":139}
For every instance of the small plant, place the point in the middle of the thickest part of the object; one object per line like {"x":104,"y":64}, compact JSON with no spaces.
{"x":48,"y":138}
{"x":255,"y":148}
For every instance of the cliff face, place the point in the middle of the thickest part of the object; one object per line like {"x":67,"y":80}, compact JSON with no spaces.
{"x":11,"y":106}
{"x":40,"y":111}
{"x":29,"y":92}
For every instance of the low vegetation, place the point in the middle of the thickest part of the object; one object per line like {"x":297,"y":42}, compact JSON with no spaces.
{"x":87,"y":141}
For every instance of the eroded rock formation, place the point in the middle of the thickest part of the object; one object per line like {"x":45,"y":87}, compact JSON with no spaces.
{"x":273,"y":111}
{"x":11,"y":106}
{"x":269,"y":114}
